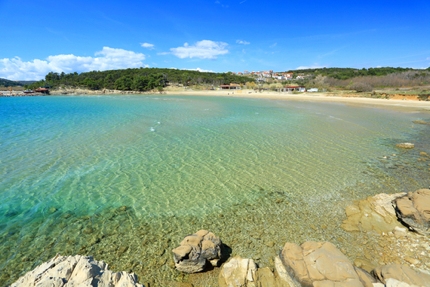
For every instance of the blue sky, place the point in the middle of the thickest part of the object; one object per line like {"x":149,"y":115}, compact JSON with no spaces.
{"x":40,"y":36}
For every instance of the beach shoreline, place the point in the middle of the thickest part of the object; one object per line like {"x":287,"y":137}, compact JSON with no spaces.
{"x":310,"y":97}
{"x":401,"y":103}
{"x":357,"y":99}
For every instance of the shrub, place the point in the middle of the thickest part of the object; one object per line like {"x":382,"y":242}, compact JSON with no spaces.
{"x":424,"y":97}
{"x":362,"y":87}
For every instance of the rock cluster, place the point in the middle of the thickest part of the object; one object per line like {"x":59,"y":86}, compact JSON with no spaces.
{"x":413,"y":210}
{"x":196,"y":251}
{"x":76,"y":270}
{"x":384,"y":212}
{"x":317,"y":264}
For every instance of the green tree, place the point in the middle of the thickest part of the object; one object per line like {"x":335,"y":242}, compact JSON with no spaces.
{"x":124,"y":83}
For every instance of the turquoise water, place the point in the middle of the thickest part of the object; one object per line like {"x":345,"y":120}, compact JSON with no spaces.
{"x":125,"y":178}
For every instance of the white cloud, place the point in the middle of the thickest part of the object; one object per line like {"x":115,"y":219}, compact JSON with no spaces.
{"x":242,"y":42}
{"x":147,"y":46}
{"x":310,"y":67}
{"x":106,"y":59}
{"x":205,"y":49}
{"x":200,"y":70}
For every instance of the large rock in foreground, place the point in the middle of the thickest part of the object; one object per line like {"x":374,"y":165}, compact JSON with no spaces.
{"x":319,"y":264}
{"x":413,"y":210}
{"x":196,"y":251}
{"x":75,"y":271}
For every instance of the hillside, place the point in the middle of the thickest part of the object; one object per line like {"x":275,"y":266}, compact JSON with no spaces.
{"x":9,"y":83}
{"x":141,"y":79}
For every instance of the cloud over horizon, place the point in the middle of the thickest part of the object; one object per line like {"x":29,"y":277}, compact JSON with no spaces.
{"x":148,"y":46}
{"x":242,"y":42}
{"x":106,"y":59}
{"x":205,"y":49}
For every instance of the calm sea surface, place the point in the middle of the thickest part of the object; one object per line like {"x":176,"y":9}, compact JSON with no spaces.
{"x":125,"y":178}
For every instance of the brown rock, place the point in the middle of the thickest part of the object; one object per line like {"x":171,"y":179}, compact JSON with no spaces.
{"x":401,"y":273}
{"x":405,"y":145}
{"x":196,"y":251}
{"x":376,"y":213}
{"x":413,"y":210}
{"x":366,"y":279}
{"x":238,"y":272}
{"x":319,"y":264}
{"x":76,"y":271}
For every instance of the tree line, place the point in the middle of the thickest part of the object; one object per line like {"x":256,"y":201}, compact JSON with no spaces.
{"x":9,"y":83}
{"x":138,"y":79}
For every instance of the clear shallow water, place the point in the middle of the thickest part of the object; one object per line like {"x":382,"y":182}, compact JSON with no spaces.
{"x":125,"y":178}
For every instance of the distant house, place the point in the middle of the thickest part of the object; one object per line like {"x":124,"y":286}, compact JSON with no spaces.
{"x":294,"y":88}
{"x":42,"y":90}
{"x":288,"y":76}
{"x":230,"y":87}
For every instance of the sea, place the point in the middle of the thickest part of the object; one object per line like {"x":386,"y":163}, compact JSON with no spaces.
{"x":125,"y":178}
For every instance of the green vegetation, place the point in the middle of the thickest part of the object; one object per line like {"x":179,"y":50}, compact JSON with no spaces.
{"x":348,"y":73}
{"x":141,"y":79}
{"x":424,"y":97}
{"x":364,"y":80}
{"x":8,"y":83}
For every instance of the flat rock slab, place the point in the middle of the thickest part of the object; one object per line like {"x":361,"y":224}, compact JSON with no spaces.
{"x":375,"y":213}
{"x":319,"y":264}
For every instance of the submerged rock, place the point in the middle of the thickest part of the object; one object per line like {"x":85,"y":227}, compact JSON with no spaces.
{"x":76,"y":271}
{"x":405,"y":145}
{"x":374,"y":213}
{"x":196,"y":251}
{"x":318,"y":264}
{"x":413,"y":210}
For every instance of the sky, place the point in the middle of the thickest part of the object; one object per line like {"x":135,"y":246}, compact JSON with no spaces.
{"x":40,"y":36}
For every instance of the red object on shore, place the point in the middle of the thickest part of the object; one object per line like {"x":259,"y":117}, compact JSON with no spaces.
{"x":42,"y":90}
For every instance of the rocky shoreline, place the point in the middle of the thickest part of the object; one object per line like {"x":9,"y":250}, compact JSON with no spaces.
{"x":402,"y":219}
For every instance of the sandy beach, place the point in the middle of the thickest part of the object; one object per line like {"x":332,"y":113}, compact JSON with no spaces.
{"x":311,"y":97}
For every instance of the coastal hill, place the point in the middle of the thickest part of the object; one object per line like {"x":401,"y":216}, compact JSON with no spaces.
{"x":9,"y":83}
{"x":380,"y":82}
{"x":141,"y":79}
